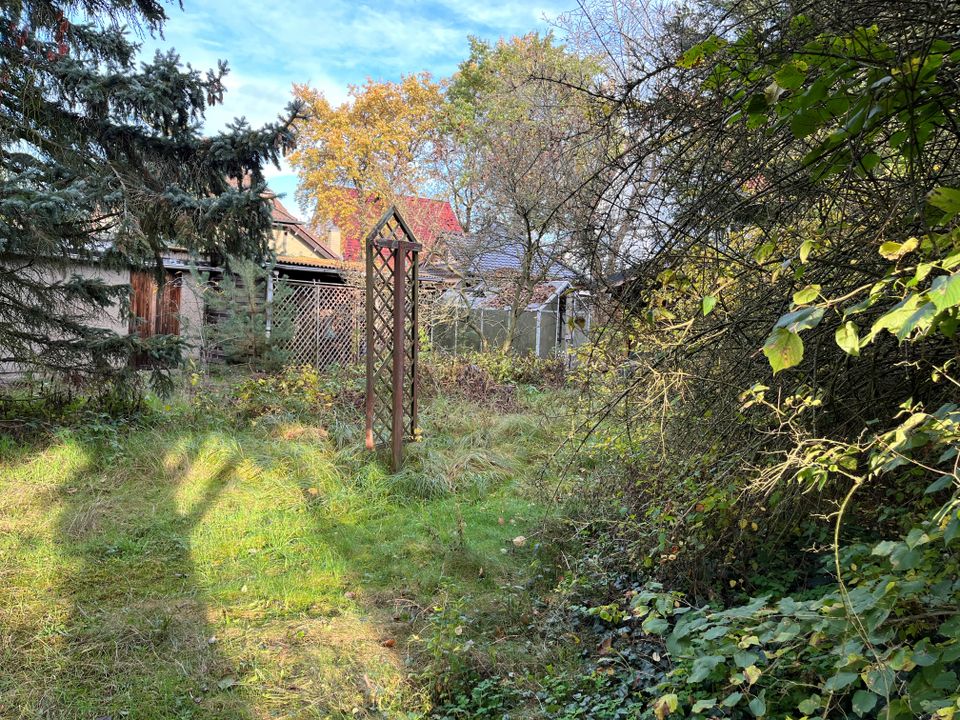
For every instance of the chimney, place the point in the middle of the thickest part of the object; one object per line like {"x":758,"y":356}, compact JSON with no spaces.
{"x":334,"y":242}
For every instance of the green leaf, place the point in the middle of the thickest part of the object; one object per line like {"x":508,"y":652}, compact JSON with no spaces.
{"x":701,"y":705}
{"x":803,"y":319}
{"x":703,"y":666}
{"x":804,"y":124}
{"x":952,"y":530}
{"x":790,"y":76}
{"x":654,"y":625}
{"x":945,"y":291}
{"x":745,"y":658}
{"x":916,"y":537}
{"x":763,"y":253}
{"x":716,"y":632}
{"x":894,"y":250}
{"x":787,"y":606}
{"x":880,"y":680}
{"x":700,"y":51}
{"x":870,"y":161}
{"x":708,"y":303}
{"x":884,"y":548}
{"x":783,"y":349}
{"x":758,"y":707}
{"x":810,"y":705}
{"x":946,"y":199}
{"x":752,"y":674}
{"x":894,"y":319}
{"x":732,"y":699}
{"x":805,"y":247}
{"x":839,"y":681}
{"x":806,"y":295}
{"x":951,"y":627}
{"x":848,"y":338}
{"x":942,"y":482}
{"x":863,"y":702}
{"x":919,"y":320}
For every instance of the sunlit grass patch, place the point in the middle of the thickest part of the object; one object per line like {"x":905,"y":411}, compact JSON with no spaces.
{"x":199,"y":569}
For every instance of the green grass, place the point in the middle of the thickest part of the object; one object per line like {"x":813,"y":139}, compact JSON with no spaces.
{"x":193,"y":569}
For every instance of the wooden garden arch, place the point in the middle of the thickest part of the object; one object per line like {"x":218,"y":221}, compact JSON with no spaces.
{"x":392,"y":341}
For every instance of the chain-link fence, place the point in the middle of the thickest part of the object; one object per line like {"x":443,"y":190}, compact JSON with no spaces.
{"x":554,"y":327}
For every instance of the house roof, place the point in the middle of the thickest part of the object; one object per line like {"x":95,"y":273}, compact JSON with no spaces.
{"x":331,"y":263}
{"x":473,"y":256}
{"x":428,"y":218}
{"x":286,"y":219}
{"x":488,"y":297}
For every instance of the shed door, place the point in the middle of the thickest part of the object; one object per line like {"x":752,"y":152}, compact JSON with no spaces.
{"x":155,"y":313}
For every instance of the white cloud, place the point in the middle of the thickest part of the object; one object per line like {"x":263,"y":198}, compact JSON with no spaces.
{"x":330,"y":45}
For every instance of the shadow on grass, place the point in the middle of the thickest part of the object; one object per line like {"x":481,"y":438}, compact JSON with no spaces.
{"x":132,"y":636}
{"x":202,"y":573}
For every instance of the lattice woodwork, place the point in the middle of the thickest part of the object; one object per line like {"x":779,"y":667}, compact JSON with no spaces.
{"x":327,"y":321}
{"x":392,"y":254}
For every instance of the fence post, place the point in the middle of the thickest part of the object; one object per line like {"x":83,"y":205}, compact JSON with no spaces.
{"x":539,"y":318}
{"x":269,"y":307}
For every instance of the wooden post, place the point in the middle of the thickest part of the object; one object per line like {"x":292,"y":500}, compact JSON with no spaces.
{"x":369,"y":349}
{"x":415,"y":340}
{"x":399,"y":353}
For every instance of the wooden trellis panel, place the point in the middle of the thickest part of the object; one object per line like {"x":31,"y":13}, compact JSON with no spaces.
{"x":392,"y":254}
{"x":327,"y":322}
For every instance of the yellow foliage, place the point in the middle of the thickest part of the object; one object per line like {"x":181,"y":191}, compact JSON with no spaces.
{"x":356,"y":159}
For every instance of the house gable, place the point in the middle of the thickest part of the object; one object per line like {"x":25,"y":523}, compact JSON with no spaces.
{"x":428,"y":218}
{"x":291,"y":236}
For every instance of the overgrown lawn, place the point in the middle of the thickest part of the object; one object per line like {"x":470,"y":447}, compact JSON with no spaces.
{"x":187,"y":567}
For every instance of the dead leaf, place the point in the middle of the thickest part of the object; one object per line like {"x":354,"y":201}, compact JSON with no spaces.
{"x":519,"y":541}
{"x":388,"y":643}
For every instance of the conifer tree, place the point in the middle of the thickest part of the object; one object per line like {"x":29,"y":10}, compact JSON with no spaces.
{"x":104,"y":163}
{"x":254,"y":326}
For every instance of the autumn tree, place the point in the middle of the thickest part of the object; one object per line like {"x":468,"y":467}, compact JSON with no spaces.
{"x":356,"y":159}
{"x":528,"y":151}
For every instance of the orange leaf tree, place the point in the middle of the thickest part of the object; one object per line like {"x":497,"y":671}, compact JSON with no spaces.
{"x":356,"y":159}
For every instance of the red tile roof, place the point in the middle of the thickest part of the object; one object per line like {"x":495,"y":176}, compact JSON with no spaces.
{"x":428,"y":218}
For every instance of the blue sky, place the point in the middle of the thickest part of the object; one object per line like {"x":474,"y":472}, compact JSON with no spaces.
{"x":271,"y":44}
